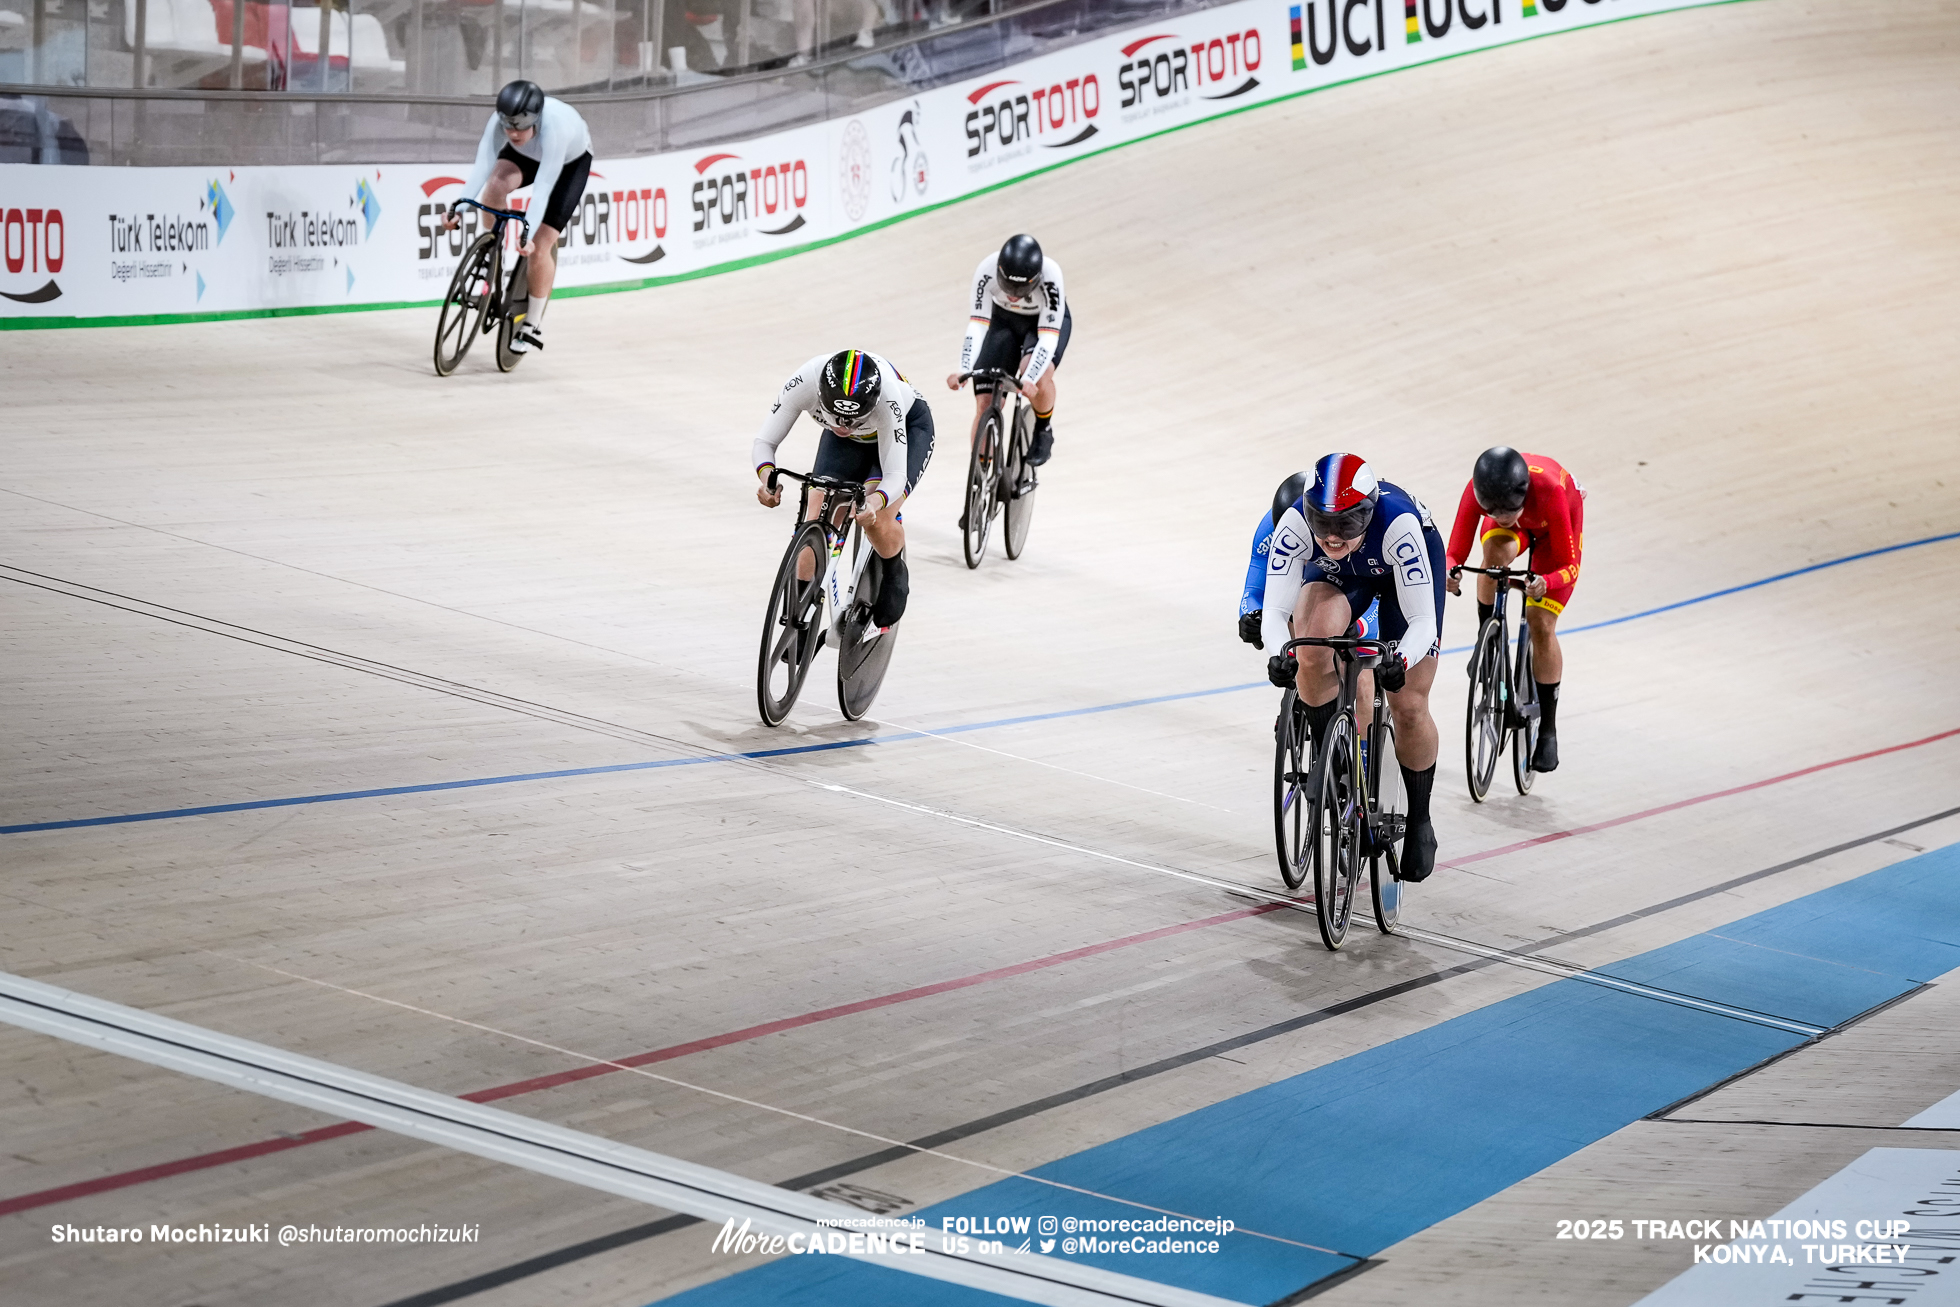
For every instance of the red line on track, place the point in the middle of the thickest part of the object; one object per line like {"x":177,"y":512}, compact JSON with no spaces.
{"x":265,"y":1147}
{"x":1701,"y":798}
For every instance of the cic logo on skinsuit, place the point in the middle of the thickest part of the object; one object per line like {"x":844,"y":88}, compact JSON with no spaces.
{"x":35,"y":243}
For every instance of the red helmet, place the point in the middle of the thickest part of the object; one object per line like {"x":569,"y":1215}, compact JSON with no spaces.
{"x":1341,"y":501}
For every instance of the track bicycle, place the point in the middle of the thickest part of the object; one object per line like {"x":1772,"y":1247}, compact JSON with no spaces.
{"x":1503,"y":705}
{"x":999,"y":479}
{"x":482,"y":298}
{"x":829,"y":564}
{"x":1339,"y":802}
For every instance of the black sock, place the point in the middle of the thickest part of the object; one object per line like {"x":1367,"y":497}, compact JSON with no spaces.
{"x":1484,"y":611}
{"x":1318,"y":715}
{"x":1041,"y":420}
{"x":1548,"y":707}
{"x":893,"y":592}
{"x":1418,"y":784}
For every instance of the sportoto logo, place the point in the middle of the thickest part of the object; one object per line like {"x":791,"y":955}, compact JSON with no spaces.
{"x":1004,"y":116}
{"x":35,"y":243}
{"x":1164,"y":67}
{"x":605,"y":217}
{"x":730,"y":194}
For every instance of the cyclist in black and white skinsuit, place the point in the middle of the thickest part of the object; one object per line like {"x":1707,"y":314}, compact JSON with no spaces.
{"x":877,"y":429}
{"x":537,"y":141}
{"x":1018,"y":311}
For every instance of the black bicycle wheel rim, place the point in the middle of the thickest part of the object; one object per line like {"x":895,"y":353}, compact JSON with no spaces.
{"x":1021,"y":481}
{"x":1524,"y":741}
{"x":790,"y":627}
{"x":980,"y":489}
{"x":1335,"y":834}
{"x":455,"y":316}
{"x":1483,"y":723}
{"x":1289,"y":793}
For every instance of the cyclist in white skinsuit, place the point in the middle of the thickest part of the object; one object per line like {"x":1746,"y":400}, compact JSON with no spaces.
{"x":1018,"y":308}
{"x":877,"y":429}
{"x":536,"y":141}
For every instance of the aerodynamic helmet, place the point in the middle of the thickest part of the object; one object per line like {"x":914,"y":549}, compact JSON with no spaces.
{"x":1341,"y":501}
{"x":519,"y":105}
{"x":1501,"y":479}
{"x":849,"y":385}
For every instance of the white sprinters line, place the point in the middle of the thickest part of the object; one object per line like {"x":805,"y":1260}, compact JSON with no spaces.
{"x":571,"y":1155}
{"x":589,"y":1059}
{"x":1036,"y":762}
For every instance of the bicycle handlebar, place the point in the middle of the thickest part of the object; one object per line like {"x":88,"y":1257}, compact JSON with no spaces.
{"x":1341,"y":644}
{"x":991,"y":374}
{"x":522,"y":221}
{"x":1524,"y":574}
{"x":856,"y":488}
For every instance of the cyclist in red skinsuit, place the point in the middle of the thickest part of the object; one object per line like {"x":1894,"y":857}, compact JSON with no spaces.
{"x":1516,"y":502}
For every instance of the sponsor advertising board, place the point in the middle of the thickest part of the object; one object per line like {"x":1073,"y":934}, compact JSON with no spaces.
{"x":82,"y":244}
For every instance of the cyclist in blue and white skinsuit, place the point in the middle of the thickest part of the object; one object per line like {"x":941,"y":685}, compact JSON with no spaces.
{"x":1348,"y":541}
{"x":1252,"y":601}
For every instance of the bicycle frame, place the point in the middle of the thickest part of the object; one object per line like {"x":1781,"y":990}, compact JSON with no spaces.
{"x":1356,"y":655}
{"x":840,"y":580}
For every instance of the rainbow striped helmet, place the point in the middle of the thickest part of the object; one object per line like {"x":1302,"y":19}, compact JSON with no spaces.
{"x":1341,"y":501}
{"x":849,"y":385}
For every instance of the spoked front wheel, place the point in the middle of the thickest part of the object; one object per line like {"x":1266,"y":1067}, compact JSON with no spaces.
{"x":1524,"y":693}
{"x":1391,"y":817}
{"x":792,"y":625}
{"x":1335,"y":829}
{"x":1290,"y":756}
{"x":864,"y":652}
{"x":463,"y":306}
{"x":1484,"y":723}
{"x":982,"y":489}
{"x":1019,"y":482}
{"x":517,"y":299}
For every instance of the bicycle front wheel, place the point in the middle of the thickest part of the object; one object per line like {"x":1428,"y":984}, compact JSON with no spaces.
{"x":1290,"y":791}
{"x":1020,"y":482}
{"x":1335,"y":832}
{"x":464,"y":305}
{"x":792,"y":625}
{"x":517,"y":298}
{"x":1524,"y":693}
{"x":981,"y":489}
{"x":1483,"y":726}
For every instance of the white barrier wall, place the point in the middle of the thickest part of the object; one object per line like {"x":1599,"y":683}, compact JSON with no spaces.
{"x":86,"y":245}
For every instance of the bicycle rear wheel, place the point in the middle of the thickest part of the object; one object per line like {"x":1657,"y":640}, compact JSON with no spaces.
{"x":1524,"y":694}
{"x":863,"y":651}
{"x":1484,"y":722}
{"x":1021,"y":481}
{"x":517,"y":297}
{"x":1391,"y":808}
{"x":463,"y":306}
{"x":792,"y":626}
{"x":982,"y":489}
{"x":1290,"y":791}
{"x":1335,"y":832}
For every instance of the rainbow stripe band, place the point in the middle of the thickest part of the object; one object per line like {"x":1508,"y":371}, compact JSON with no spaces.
{"x":853,"y":372}
{"x":1299,"y":51}
{"x":1530,"y":9}
{"x":1414,"y":25}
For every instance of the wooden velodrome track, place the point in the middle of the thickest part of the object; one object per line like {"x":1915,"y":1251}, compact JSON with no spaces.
{"x":1709,"y":260}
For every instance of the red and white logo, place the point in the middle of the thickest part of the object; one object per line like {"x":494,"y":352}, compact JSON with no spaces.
{"x":1057,"y":115}
{"x":34,"y":243}
{"x":1165,"y":66}
{"x":731,"y":193}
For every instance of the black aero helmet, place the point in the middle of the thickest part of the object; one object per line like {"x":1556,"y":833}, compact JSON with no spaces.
{"x":1501,"y":479}
{"x":519,"y":104}
{"x":1289,"y":493}
{"x":849,"y":385}
{"x":1019,"y":264}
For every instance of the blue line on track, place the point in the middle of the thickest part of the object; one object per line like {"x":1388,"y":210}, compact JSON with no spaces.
{"x":1359,"y":1154}
{"x":435,"y":787}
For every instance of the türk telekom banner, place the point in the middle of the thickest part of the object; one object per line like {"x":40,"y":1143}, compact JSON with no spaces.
{"x":109,"y":244}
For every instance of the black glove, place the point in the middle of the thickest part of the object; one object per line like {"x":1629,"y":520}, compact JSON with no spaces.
{"x":1281,"y":669}
{"x":1390,"y":674}
{"x":1249,"y":628}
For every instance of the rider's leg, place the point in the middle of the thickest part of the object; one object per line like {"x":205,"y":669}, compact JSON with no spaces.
{"x":1043,"y":443}
{"x":1415,"y":749}
{"x":1322,"y":610}
{"x":1500,"y":547}
{"x":544,"y":269}
{"x":1547,"y":669}
{"x":505,"y":177}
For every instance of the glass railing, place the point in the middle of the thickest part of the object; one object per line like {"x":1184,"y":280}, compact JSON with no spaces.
{"x":403,"y":81}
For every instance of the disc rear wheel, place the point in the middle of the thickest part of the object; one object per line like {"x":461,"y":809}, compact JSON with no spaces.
{"x":1019,"y":481}
{"x":1391,"y":808}
{"x":517,"y":298}
{"x":1524,"y":741}
{"x":792,"y":625}
{"x":463,"y":306}
{"x":864,"y":652}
